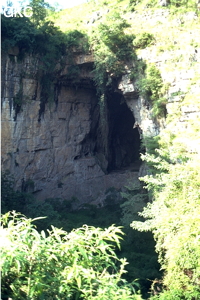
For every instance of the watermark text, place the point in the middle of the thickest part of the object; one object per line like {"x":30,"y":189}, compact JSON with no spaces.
{"x":10,"y":12}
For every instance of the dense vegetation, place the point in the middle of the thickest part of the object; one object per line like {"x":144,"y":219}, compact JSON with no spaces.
{"x":173,"y":217}
{"x":60,"y":215}
{"x":173,"y":184}
{"x":81,"y":264}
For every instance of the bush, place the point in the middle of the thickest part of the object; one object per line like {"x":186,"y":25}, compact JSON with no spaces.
{"x":81,"y":264}
{"x":173,"y":217}
{"x":17,"y":32}
{"x":143,"y":40}
{"x":112,"y":48}
{"x":149,"y":83}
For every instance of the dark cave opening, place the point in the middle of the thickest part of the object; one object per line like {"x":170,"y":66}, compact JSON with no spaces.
{"x":123,"y":139}
{"x":116,"y":145}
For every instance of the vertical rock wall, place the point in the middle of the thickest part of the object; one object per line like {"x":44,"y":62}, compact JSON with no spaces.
{"x":60,"y":153}
{"x":65,"y":151}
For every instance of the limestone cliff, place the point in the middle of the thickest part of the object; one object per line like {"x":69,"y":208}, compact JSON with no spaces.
{"x":59,"y":152}
{"x":61,"y":149}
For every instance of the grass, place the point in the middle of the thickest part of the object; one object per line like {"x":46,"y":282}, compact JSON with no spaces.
{"x":177,"y":27}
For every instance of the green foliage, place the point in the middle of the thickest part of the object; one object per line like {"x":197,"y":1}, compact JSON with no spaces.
{"x":52,"y":54}
{"x":81,"y":264}
{"x":136,"y":198}
{"x":112,"y":48}
{"x":60,"y":211}
{"x":159,"y":107}
{"x":111,"y":33}
{"x":145,"y":266}
{"x":39,"y":11}
{"x":179,"y":3}
{"x":17,"y":32}
{"x":176,"y":294}
{"x":132,"y":4}
{"x":150,"y":86}
{"x":173,"y":217}
{"x":151,"y":144}
{"x":142,"y":260}
{"x":143,"y":40}
{"x":152,"y":83}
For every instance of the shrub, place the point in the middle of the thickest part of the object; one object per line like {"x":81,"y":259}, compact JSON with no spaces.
{"x":81,"y":264}
{"x":143,"y":40}
{"x":112,"y":48}
{"x":150,"y":86}
{"x":173,"y":217}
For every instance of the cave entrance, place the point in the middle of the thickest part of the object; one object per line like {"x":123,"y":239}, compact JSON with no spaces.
{"x":124,"y":140}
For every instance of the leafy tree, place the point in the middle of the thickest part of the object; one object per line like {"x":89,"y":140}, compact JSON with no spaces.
{"x":135,"y":199}
{"x":39,"y":11}
{"x":173,"y":217}
{"x":17,"y":32}
{"x":112,"y":34}
{"x":112,"y":47}
{"x":81,"y":264}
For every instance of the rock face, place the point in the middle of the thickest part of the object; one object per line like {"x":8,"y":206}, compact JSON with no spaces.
{"x":139,"y":107}
{"x":64,"y":148}
{"x":64,"y":151}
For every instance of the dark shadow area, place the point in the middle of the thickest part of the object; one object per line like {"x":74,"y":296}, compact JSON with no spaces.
{"x":123,"y":139}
